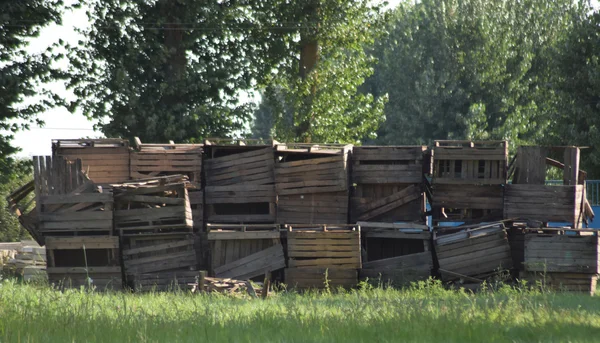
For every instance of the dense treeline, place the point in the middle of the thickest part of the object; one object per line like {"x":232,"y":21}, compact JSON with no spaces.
{"x":326,"y":70}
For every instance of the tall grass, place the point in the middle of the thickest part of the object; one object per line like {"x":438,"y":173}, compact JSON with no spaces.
{"x":424,"y":313}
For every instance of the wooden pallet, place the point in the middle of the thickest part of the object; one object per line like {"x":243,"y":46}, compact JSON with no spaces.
{"x":152,"y":208}
{"x":150,"y":160}
{"x":78,"y":214}
{"x":551,"y":252}
{"x":545,"y":203}
{"x":160,"y":253}
{"x":84,"y":261}
{"x":562,"y":282}
{"x":244,"y":251}
{"x":466,"y":162}
{"x":241,"y":204}
{"x":473,"y":252}
{"x":104,"y":160}
{"x":250,"y":167}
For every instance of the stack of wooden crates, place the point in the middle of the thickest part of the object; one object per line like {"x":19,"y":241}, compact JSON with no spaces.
{"x":312,"y":183}
{"x":239,"y":183}
{"x":76,"y":224}
{"x":154,"y":221}
{"x":468,"y":180}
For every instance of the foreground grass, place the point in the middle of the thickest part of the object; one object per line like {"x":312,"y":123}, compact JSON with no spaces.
{"x":425,"y":313}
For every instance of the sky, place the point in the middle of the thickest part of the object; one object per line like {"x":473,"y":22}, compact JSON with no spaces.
{"x":60,"y":123}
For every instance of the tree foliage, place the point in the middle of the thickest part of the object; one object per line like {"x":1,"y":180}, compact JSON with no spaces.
{"x":10,"y":229}
{"x":577,"y":79}
{"x":314,"y":95}
{"x":23,"y":73}
{"x":175,"y":70}
{"x":469,"y":69}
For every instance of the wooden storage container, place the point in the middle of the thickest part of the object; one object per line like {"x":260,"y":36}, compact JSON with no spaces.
{"x":316,"y":254}
{"x":151,"y":160}
{"x":157,"y":256}
{"x":76,"y":214}
{"x":104,"y":160}
{"x":151,"y":208}
{"x":312,"y":184}
{"x":84,"y":261}
{"x":476,"y":252}
{"x":245,"y":251}
{"x":550,"y":252}
{"x":468,"y":179}
{"x":395,"y":254}
{"x":545,"y":203}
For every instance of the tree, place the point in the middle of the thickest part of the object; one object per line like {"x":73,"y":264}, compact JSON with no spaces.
{"x":21,"y":73}
{"x":471,"y":69}
{"x":173,"y":70}
{"x":577,"y":82}
{"x":314,"y":94}
{"x":10,"y":228}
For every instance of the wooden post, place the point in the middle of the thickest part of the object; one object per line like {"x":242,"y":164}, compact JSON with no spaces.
{"x":571,"y":170}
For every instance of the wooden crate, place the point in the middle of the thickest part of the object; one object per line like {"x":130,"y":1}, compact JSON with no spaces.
{"x":241,"y":204}
{"x":150,"y":160}
{"x":72,"y":260}
{"x":324,"y":246}
{"x":475,"y":252}
{"x":562,"y":282}
{"x":241,"y":166}
{"x":466,"y":203}
{"x":105,"y":160}
{"x":551,"y":252}
{"x":158,"y":254}
{"x":197,"y":206}
{"x":470,"y":163}
{"x":320,"y":278}
{"x":388,"y":164}
{"x":468,"y":179}
{"x":152,"y":207}
{"x":245,"y":251}
{"x":545,"y":203}
{"x":165,"y":281}
{"x":395,"y":254}
{"x":312,"y":183}
{"x":78,"y":214}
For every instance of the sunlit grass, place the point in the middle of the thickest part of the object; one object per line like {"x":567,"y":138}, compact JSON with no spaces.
{"x":424,"y":313}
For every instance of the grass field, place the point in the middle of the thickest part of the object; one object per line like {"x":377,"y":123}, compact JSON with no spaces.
{"x":425,"y":313}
